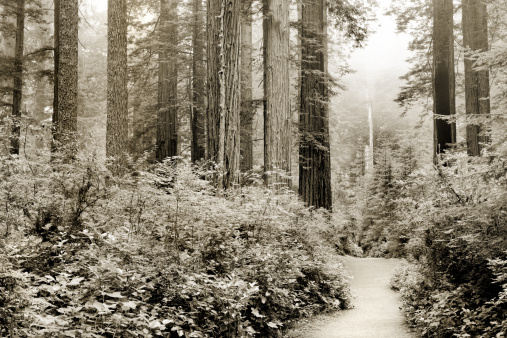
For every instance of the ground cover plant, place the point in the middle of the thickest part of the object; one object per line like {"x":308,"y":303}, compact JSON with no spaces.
{"x":156,"y":252}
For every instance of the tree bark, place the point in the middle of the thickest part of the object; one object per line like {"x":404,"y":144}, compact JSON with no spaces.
{"x":117,"y":79}
{"x":66,"y":77}
{"x":224,"y":76}
{"x":443,"y":76}
{"x":277,"y":115}
{"x":475,"y":38}
{"x":17,"y":94}
{"x":56,"y":59}
{"x":314,"y":161}
{"x":247,"y":109}
{"x":167,"y":126}
{"x":198,"y":118}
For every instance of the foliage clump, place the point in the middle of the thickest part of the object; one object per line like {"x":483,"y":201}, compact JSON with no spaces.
{"x":455,"y":217}
{"x":156,"y":253}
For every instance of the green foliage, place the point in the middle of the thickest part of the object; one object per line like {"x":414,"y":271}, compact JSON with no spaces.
{"x":156,"y":253}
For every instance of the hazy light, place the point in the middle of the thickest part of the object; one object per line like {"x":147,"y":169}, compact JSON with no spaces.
{"x":98,"y":5}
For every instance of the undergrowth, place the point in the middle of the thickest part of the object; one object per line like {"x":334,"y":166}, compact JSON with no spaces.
{"x":84,"y":253}
{"x":454,"y":282}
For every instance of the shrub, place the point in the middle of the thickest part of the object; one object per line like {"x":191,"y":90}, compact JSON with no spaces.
{"x":156,"y":253}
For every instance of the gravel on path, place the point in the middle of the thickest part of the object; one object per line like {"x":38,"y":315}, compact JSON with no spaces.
{"x":376,"y":308}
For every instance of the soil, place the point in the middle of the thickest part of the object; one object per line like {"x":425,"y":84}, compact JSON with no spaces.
{"x":376,"y":308}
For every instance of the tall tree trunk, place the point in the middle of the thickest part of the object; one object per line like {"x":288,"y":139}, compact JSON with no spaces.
{"x":66,"y":77}
{"x":17,"y":94}
{"x":56,"y":59}
{"x":198,"y":119}
{"x":167,"y":124}
{"x":443,"y":75}
{"x":247,"y":109}
{"x":277,"y":114}
{"x":224,"y":87}
{"x":117,"y":79}
{"x":8,"y":51}
{"x":315,"y":161}
{"x":475,"y":38}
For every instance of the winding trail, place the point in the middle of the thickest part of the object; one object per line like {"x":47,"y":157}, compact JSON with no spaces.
{"x":376,"y":312}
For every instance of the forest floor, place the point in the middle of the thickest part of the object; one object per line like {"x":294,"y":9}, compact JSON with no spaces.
{"x":375,"y":311}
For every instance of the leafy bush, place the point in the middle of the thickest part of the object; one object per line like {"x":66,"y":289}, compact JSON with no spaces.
{"x":453,"y":287}
{"x":156,"y":253}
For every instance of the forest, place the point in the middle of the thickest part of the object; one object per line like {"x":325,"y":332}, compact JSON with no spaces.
{"x":199,"y":168}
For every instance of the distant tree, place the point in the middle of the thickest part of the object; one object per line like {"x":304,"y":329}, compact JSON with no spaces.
{"x":224,"y":76}
{"x":443,"y":75}
{"x":26,"y":61}
{"x":117,"y":78}
{"x":277,"y":112}
{"x":475,"y":38}
{"x":198,"y":118}
{"x":167,"y":124}
{"x":314,"y":154}
{"x":7,"y":51}
{"x":247,"y":108}
{"x":66,"y":76}
{"x":17,"y":95}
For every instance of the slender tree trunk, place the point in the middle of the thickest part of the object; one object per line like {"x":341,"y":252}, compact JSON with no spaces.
{"x":117,"y":79}
{"x":66,"y":77}
{"x":315,"y":161}
{"x":17,"y":95}
{"x":198,"y":119}
{"x":475,"y":38}
{"x":277,"y":114}
{"x":167,"y":125}
{"x":224,"y":87}
{"x":56,"y":60}
{"x":247,"y":109}
{"x":443,"y":75}
{"x":7,"y":50}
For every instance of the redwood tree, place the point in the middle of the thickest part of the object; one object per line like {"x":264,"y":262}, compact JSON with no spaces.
{"x":167,"y":124}
{"x":198,"y":118}
{"x":17,"y":94}
{"x":223,"y":115}
{"x":443,"y":76}
{"x":277,"y":114}
{"x":117,"y":78}
{"x":247,"y":109}
{"x":475,"y":38}
{"x":66,"y":76}
{"x":314,"y":154}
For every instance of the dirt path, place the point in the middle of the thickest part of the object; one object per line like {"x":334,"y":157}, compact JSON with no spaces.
{"x":376,"y":311}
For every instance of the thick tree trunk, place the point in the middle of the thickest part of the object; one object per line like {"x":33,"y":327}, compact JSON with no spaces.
{"x":475,"y":38}
{"x":224,"y":87}
{"x":17,"y":95}
{"x":198,"y":119}
{"x":117,"y":79}
{"x":277,"y":114}
{"x":443,"y":75}
{"x":247,"y":109}
{"x":66,"y":76}
{"x":167,"y":125}
{"x":315,"y":161}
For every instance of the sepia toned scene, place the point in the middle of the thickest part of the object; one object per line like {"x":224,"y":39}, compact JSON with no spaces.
{"x":253,"y":168}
